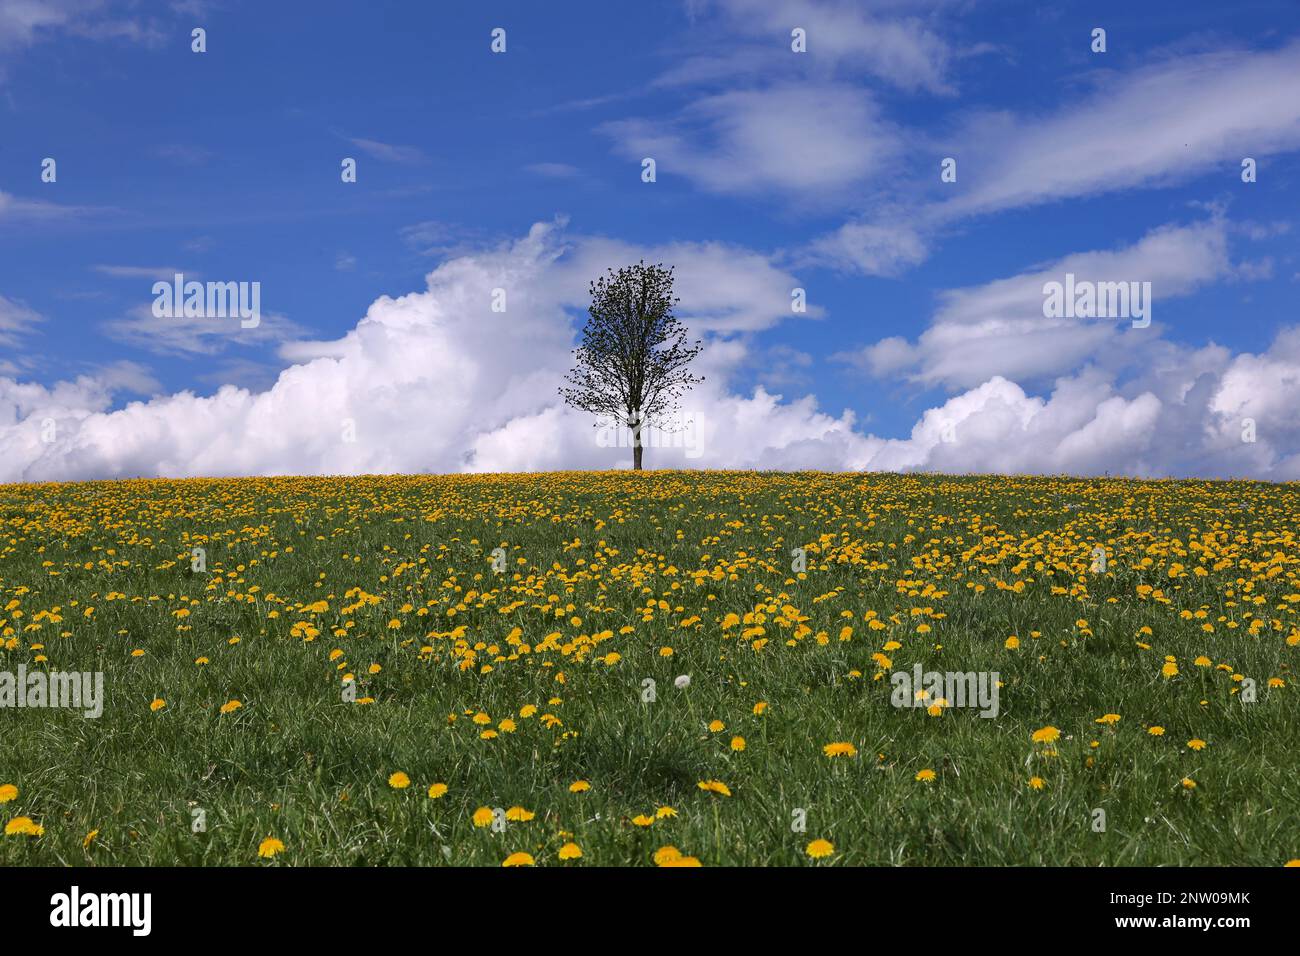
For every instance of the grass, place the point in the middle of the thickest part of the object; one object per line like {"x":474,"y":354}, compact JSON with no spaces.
{"x":620,"y":567}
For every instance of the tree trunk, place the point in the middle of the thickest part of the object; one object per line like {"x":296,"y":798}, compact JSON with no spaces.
{"x":634,"y":423}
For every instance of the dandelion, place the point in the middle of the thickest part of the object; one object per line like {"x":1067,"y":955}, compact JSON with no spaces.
{"x":737,"y":744}
{"x":665,"y":854}
{"x":157,"y":704}
{"x":519,"y":814}
{"x":399,"y":781}
{"x":1196,"y":743}
{"x":23,"y":826}
{"x":682,"y":682}
{"x":570,"y":851}
{"x":230,"y":706}
{"x":1036,"y":783}
{"x":482,"y":816}
{"x":269,"y":848}
{"x":714,"y":786}
{"x":840,"y":749}
{"x":1156,"y":731}
{"x":579,"y":786}
{"x":519,"y":859}
{"x":437,"y":791}
{"x":1046,"y":735}
{"x":8,"y":792}
{"x":820,"y":849}
{"x":924,"y":776}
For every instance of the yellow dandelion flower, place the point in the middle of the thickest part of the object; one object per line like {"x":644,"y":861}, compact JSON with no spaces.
{"x":665,"y":854}
{"x":1046,"y":735}
{"x":399,"y":781}
{"x":269,"y":848}
{"x":437,"y":790}
{"x":820,"y":849}
{"x":23,"y":826}
{"x":570,"y":851}
{"x":518,"y":859}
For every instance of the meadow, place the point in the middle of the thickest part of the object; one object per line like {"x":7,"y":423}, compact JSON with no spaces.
{"x":488,"y":670}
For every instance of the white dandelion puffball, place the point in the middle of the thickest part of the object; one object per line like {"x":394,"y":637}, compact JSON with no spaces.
{"x":682,"y":682}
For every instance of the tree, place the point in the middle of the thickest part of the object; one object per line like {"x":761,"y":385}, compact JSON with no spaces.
{"x":632,"y":364}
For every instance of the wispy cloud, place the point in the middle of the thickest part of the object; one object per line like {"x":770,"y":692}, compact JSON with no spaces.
{"x":142,"y":272}
{"x":389,"y":153}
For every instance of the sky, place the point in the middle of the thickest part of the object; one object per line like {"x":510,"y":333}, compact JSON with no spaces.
{"x":922,"y":170}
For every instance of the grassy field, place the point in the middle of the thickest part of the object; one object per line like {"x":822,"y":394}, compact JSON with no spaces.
{"x":347,"y":644}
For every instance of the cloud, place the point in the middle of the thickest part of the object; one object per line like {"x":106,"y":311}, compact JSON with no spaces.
{"x":142,"y":272}
{"x":22,"y":23}
{"x":192,"y":336}
{"x":389,"y":153}
{"x":16,"y":210}
{"x":25,"y":22}
{"x":800,"y":139}
{"x":870,"y":248}
{"x":999,"y":328}
{"x":1154,"y":126}
{"x":15,"y":317}
{"x":437,"y":381}
{"x":842,"y":36}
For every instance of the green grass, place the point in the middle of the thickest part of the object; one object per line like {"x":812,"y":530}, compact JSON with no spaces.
{"x":302,"y":763}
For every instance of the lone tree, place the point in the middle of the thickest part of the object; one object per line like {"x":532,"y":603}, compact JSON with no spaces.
{"x":632,"y":364}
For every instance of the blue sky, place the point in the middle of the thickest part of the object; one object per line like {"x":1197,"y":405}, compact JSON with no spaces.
{"x":774,"y":169}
